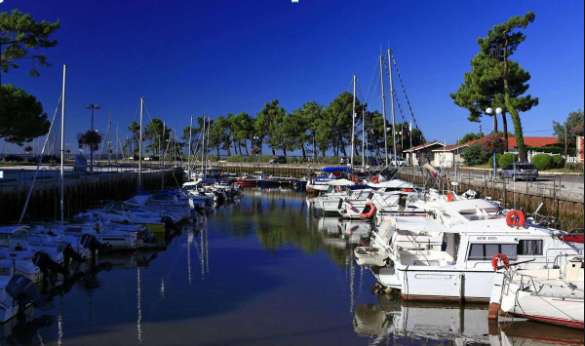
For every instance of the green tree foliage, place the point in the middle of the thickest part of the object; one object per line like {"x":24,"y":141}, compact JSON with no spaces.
{"x":158,"y":135}
{"x":92,"y":140}
{"x":21,"y":36}
{"x":21,"y":116}
{"x":542,"y":161}
{"x":474,"y":155}
{"x":311,"y":129}
{"x":558,"y":161}
{"x":267,"y":125}
{"x":134,"y":129}
{"x":307,"y":121}
{"x":242,"y":126}
{"x":506,"y":159}
{"x":471,"y":136}
{"x":495,"y":81}
{"x":574,"y":127}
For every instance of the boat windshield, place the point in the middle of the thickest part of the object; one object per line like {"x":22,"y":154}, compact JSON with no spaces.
{"x":481,"y":214}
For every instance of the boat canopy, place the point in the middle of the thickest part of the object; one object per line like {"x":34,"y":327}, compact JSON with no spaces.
{"x":333,"y":169}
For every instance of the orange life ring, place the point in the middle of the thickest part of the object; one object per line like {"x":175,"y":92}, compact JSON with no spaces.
{"x":500,"y":258}
{"x":375,"y":179}
{"x":515,"y":218}
{"x":355,"y":179}
{"x":450,"y":197}
{"x":369,"y":211}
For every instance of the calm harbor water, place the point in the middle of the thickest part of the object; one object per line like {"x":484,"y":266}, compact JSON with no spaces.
{"x":263,"y":271}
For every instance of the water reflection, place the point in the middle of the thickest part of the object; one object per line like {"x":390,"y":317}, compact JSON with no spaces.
{"x":280,"y":275}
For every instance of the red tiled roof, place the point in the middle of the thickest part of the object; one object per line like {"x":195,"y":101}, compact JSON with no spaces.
{"x":535,"y":142}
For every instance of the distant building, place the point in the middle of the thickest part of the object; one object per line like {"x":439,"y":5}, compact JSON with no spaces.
{"x":580,"y":143}
{"x":449,"y":155}
{"x":421,"y":154}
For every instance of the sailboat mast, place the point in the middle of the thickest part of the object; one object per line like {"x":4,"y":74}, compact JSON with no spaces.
{"x":382,"y":95}
{"x":140,"y":144}
{"x":203,"y":148}
{"x":353,"y":122}
{"x":189,"y":150}
{"x":392,"y":105}
{"x":62,"y":168}
{"x":364,"y":137}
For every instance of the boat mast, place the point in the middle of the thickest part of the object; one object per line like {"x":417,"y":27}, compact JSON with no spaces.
{"x":353,"y":122}
{"x":392,"y":104}
{"x":383,"y":109}
{"x":189,"y":150}
{"x":140,"y":144}
{"x":364,"y":137}
{"x":203,"y":148}
{"x":61,"y":168}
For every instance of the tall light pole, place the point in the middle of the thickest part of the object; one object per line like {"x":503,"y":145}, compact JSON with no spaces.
{"x":490,"y":111}
{"x":92,"y":108}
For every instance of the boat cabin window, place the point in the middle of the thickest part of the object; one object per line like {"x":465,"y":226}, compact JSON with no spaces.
{"x":530,"y":247}
{"x":487,"y":251}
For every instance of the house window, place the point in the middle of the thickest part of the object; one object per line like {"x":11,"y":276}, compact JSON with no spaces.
{"x":530,"y":247}
{"x":487,"y":251}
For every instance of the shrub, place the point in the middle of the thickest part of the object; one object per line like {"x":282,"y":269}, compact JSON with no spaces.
{"x":474,"y":155}
{"x":491,"y":159}
{"x":542,"y":161}
{"x":506,"y":159}
{"x":558,"y":161}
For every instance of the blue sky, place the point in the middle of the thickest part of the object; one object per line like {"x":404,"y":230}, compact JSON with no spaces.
{"x":220,"y":56}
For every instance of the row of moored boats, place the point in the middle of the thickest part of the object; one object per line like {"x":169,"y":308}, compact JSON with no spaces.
{"x":431,"y":245}
{"x":47,"y":254}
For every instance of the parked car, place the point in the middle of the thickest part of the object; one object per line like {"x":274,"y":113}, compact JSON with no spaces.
{"x":520,"y":171}
{"x":397,"y":161}
{"x":277,"y":160}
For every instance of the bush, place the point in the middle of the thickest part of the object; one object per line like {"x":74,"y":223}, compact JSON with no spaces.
{"x":542,"y":161}
{"x":491,"y":159}
{"x":474,"y":155}
{"x":558,"y":161}
{"x":506,"y":159}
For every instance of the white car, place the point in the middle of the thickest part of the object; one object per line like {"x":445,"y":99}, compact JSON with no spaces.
{"x":397,"y":162}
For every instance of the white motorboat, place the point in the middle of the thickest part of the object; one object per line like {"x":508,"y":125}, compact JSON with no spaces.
{"x":461,"y":268}
{"x":553,"y":296}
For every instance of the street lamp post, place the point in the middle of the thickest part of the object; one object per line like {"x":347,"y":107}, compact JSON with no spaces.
{"x":92,"y":107}
{"x":490,"y":111}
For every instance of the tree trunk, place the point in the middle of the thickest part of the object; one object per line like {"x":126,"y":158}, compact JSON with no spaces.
{"x":304,"y":152}
{"x":495,"y":116}
{"x":505,"y":126}
{"x":513,"y":113}
{"x":273,"y":151}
